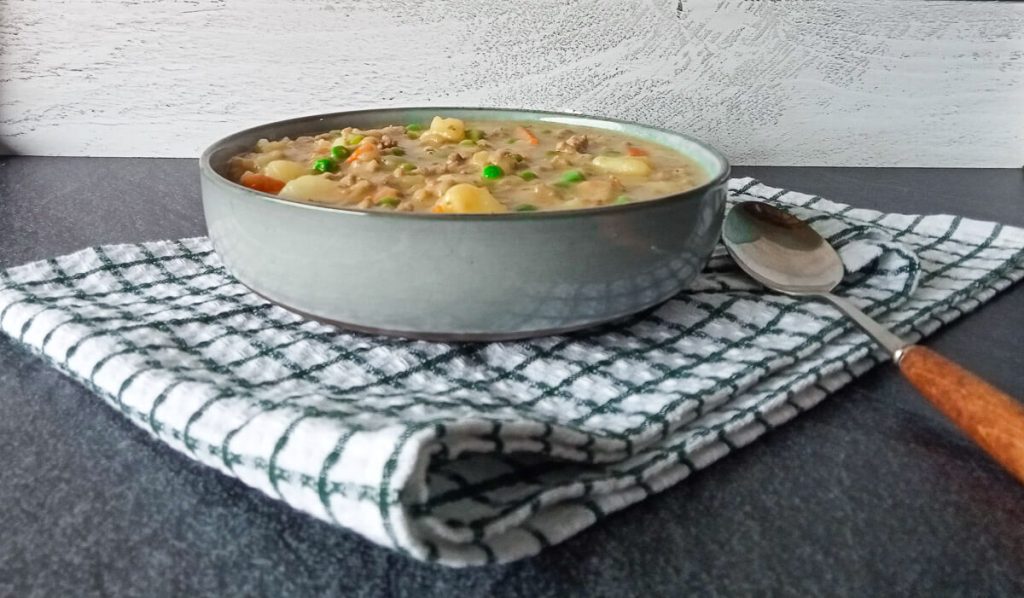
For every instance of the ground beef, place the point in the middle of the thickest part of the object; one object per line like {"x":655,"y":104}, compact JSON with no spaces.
{"x":667,"y":175}
{"x":365,"y":166}
{"x":576,"y":143}
{"x":360,"y":188}
{"x":505,"y":159}
{"x":560,"y":161}
{"x":393,"y":131}
{"x":431,"y":170}
{"x":346,"y":180}
{"x":596,"y":191}
{"x":455,"y":162}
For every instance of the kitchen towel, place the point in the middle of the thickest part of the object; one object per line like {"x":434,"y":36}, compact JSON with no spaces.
{"x":479,"y":453}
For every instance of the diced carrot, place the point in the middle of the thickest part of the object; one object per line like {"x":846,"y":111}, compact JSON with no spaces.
{"x":361,"y":149}
{"x":636,"y":151}
{"x":261,"y":182}
{"x":526,"y":135}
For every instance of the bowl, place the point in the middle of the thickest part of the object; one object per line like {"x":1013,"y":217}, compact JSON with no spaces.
{"x":468,"y":277}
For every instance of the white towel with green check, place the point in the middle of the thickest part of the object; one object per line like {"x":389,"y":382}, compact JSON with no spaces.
{"x":481,"y":453}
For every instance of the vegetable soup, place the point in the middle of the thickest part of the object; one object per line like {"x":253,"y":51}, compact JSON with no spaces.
{"x":460,"y":167}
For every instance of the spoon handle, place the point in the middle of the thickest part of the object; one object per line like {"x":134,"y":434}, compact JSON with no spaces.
{"x":881,"y":334}
{"x":990,"y":417}
{"x":986,"y":414}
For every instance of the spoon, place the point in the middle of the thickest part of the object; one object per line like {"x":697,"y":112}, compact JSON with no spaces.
{"x":786,"y":255}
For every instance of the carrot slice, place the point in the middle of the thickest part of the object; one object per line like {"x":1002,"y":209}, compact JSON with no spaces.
{"x":261,"y":182}
{"x":526,"y":135}
{"x":636,"y":151}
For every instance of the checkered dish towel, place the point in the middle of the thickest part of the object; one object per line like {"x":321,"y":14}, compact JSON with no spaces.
{"x":471,"y":454}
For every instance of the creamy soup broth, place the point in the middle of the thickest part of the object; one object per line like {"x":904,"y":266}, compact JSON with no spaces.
{"x":456,"y":167}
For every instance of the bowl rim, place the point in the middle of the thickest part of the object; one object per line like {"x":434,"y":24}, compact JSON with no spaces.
{"x":207,"y":170}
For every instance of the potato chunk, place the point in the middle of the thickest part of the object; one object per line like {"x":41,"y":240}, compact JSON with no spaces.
{"x":480,"y":159}
{"x":265,"y":145}
{"x":285,"y":170}
{"x":597,"y":191}
{"x":314,"y":187}
{"x":444,"y":130}
{"x":628,"y":165}
{"x":468,"y":199}
{"x":502,"y":158}
{"x":261,"y":159}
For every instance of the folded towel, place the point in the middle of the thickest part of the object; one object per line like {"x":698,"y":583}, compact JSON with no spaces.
{"x":477,"y":453}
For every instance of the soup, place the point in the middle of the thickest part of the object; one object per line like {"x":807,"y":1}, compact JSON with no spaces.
{"x":457,"y":167}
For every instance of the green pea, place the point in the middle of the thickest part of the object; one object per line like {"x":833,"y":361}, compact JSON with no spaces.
{"x":622,"y":199}
{"x":413,"y":135}
{"x":527,"y":175}
{"x":340,"y":152}
{"x":572,"y":176}
{"x":388,"y":201}
{"x":325,"y":165}
{"x":413,"y":128}
{"x":526,"y":207}
{"x":397,"y":151}
{"x":492,"y":171}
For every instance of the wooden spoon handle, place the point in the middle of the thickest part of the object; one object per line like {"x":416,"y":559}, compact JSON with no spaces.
{"x":990,"y":417}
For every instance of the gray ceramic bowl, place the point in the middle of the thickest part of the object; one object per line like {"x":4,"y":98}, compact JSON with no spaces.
{"x":461,"y":277}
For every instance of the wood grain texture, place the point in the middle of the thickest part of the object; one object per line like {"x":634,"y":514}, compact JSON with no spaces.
{"x":987,"y":415}
{"x":861,"y":82}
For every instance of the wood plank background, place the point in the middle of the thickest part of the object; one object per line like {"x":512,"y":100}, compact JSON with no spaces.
{"x":785,"y":82}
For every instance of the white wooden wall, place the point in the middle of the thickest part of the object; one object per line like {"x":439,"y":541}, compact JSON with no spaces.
{"x":883,"y":82}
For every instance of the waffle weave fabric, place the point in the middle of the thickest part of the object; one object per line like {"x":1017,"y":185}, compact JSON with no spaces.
{"x":478,"y":453}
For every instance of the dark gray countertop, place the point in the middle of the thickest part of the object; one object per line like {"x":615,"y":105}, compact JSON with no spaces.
{"x":870,"y":493}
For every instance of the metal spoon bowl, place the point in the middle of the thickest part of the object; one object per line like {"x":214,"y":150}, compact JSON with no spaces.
{"x":786,"y":255}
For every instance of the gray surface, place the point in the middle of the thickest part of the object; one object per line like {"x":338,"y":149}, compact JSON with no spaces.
{"x":868,"y":493}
